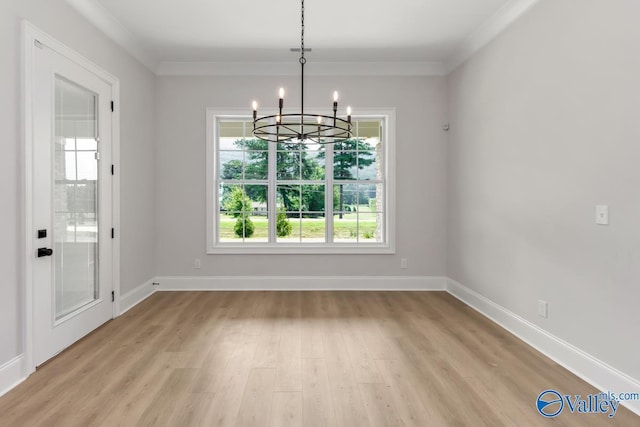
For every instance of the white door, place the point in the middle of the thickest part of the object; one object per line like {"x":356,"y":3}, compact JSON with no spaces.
{"x":72,"y":203}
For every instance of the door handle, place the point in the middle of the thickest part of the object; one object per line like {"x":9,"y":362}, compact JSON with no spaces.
{"x":44,"y":252}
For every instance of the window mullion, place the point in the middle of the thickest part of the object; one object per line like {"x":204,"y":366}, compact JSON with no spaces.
{"x":214,"y":164}
{"x":272,"y":209}
{"x":328,"y":192}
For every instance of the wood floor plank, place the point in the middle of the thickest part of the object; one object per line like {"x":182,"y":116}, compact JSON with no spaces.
{"x":346,"y":398}
{"x":289,"y":364}
{"x":256,"y":401}
{"x":406,"y":400}
{"x":317,"y":408}
{"x":77,"y":410}
{"x":229,"y":348}
{"x":286,"y":409}
{"x":311,"y":340}
{"x":133,"y":400}
{"x":190,"y":409}
{"x":380,"y":405}
{"x":312,"y":326}
{"x":230,"y":385}
{"x":172,"y":392}
{"x":361,"y":357}
{"x":297,"y":358}
{"x":289,"y":374}
{"x":266,"y":356}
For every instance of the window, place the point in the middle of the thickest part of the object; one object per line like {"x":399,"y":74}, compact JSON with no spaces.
{"x":299,"y":197}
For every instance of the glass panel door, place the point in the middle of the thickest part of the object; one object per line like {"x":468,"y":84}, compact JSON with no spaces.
{"x":75,"y":198}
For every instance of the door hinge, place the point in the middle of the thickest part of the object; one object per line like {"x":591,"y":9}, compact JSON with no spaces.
{"x":113,"y":233}
{"x":96,"y":155}
{"x":113,"y":108}
{"x":113,"y":296}
{"x":113,"y":170}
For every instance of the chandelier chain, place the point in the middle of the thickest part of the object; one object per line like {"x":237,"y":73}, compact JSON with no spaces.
{"x":302,"y":33}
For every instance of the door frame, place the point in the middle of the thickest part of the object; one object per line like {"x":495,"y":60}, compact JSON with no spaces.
{"x":32,"y":35}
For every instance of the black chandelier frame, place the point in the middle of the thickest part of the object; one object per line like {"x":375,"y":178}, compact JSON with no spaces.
{"x":299,"y":127}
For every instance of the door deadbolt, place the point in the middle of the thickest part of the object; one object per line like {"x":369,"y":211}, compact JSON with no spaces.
{"x":44,"y":252}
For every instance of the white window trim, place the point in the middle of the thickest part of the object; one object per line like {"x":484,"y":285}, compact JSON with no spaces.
{"x":389,"y":114}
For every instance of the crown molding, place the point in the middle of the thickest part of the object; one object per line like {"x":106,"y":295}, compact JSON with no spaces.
{"x":489,"y":30}
{"x":99,"y":16}
{"x":293,"y":68}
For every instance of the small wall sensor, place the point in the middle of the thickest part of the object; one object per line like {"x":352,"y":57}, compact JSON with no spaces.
{"x":445,"y":126}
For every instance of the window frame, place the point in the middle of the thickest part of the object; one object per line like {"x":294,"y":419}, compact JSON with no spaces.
{"x":212,"y":164}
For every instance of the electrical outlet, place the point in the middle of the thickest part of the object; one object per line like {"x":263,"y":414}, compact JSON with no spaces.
{"x":403,"y":263}
{"x":543,"y":309}
{"x":196,"y":264}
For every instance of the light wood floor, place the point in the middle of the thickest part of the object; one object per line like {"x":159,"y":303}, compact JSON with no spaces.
{"x":297,"y":358}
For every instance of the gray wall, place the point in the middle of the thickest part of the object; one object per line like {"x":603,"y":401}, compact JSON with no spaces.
{"x":181,"y":169}
{"x":545,"y":125}
{"x":137,"y":139}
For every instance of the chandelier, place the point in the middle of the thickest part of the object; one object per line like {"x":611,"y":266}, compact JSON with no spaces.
{"x":297,"y":127}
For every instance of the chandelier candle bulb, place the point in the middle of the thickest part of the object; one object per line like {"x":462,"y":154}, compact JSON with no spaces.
{"x":281,"y":100}
{"x":349,"y":114}
{"x":254,"y":104}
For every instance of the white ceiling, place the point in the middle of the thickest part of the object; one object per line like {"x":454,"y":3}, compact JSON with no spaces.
{"x":434,"y":32}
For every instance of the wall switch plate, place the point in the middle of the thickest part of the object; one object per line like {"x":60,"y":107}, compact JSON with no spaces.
{"x":542,"y":309}
{"x":196,"y":264}
{"x":403,"y":263}
{"x":602,"y":214}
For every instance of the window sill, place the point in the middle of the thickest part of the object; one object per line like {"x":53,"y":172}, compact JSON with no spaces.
{"x":371,"y":249}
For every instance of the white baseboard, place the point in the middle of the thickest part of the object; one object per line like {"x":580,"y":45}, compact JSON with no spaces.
{"x":136,"y":296}
{"x":298,"y":283}
{"x":585,"y":366}
{"x":11,"y":374}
